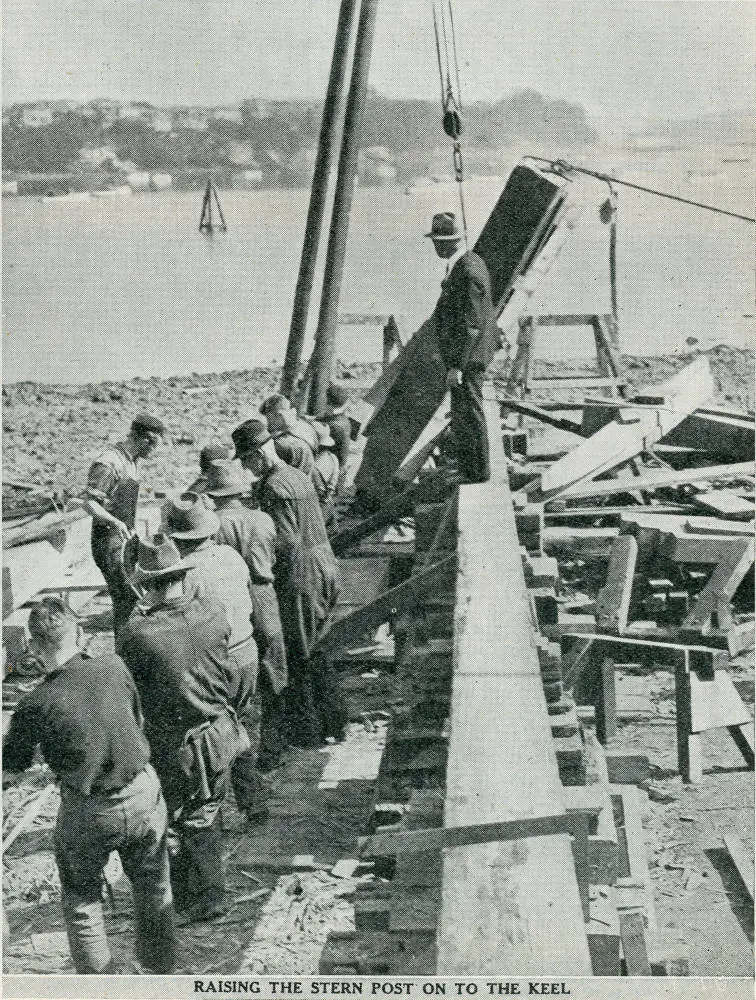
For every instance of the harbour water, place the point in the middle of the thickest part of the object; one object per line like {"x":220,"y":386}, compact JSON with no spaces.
{"x":111,"y":288}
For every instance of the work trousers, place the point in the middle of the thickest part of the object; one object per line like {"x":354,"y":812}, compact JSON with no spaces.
{"x":132,"y":821}
{"x":273,"y":674}
{"x":197,"y":869}
{"x":314,"y":706}
{"x":468,"y":425}
{"x":106,"y":552}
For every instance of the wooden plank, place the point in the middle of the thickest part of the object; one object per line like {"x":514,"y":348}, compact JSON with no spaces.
{"x":720,"y":588}
{"x":743,"y":737}
{"x":405,"y":595}
{"x":634,"y":951}
{"x":390,"y":843}
{"x":715,"y":704}
{"x":742,"y":861}
{"x":504,"y":905}
{"x":689,"y":753}
{"x":613,"y":601}
{"x":395,"y":508}
{"x":41,"y":528}
{"x":725,"y":503}
{"x":633,"y":431}
{"x":726,"y":438}
{"x":27,"y":570}
{"x":659,"y":480}
{"x":538,"y":413}
{"x":717,"y":526}
{"x":541,"y":383}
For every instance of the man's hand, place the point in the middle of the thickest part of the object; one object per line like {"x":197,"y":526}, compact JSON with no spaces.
{"x":123,"y":531}
{"x":453,"y":378}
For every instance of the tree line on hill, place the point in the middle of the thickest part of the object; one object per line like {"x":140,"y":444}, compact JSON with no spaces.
{"x":269,"y":135}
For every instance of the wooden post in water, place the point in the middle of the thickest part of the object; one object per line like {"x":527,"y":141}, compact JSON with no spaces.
{"x":325,"y":338}
{"x":329,"y":133}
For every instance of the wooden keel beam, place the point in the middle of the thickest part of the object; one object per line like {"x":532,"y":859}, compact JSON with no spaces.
{"x":510,"y":905}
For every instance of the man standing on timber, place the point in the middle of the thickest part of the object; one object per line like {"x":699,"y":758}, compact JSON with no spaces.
{"x":252,"y":534}
{"x":111,"y":500}
{"x":306,"y":583}
{"x":87,"y":719}
{"x":468,"y":340}
{"x":176,"y":646}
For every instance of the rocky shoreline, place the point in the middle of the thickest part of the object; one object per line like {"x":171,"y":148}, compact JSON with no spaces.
{"x":52,"y":432}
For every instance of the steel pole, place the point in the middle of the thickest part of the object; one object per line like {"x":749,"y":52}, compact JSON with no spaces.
{"x":325,"y":338}
{"x":329,"y":134}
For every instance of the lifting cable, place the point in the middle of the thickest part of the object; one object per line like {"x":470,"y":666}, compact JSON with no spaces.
{"x":562,"y":168}
{"x":451,"y":99}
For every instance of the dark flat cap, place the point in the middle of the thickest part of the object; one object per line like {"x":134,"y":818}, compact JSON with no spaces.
{"x":249,"y":436}
{"x":144,"y":422}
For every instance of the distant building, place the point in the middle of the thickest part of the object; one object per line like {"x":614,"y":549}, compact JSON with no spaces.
{"x":246,"y":179}
{"x":241,"y":154}
{"x":98,"y":155}
{"x":138,"y":180}
{"x":36,"y":116}
{"x":194,"y":119}
{"x":161,"y":121}
{"x":226,"y":114}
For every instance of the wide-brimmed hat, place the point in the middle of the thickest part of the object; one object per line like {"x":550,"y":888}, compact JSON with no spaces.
{"x":188,"y":518}
{"x":226,"y":479}
{"x":250,"y":436}
{"x":213,"y":453}
{"x":336,"y":395}
{"x":324,"y":434}
{"x":157,"y":557}
{"x":444,"y":227}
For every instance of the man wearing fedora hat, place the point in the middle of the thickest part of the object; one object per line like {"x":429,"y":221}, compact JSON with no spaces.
{"x":300,"y":427}
{"x":252,"y":534}
{"x":111,"y":500}
{"x":213,"y":452}
{"x":468,"y":340}
{"x":176,"y":644}
{"x":306,"y":581}
{"x":283,"y":426}
{"x":86,"y":717}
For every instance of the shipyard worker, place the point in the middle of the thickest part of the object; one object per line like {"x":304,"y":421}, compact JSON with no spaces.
{"x":468,"y":340}
{"x":299,"y":427}
{"x":290,"y":445}
{"x":222,"y":572}
{"x":252,"y":534}
{"x":338,"y":422}
{"x":325,"y":474}
{"x":111,"y":500}
{"x":213,"y":452}
{"x":86,"y":717}
{"x":176,"y":646}
{"x":306,"y":581}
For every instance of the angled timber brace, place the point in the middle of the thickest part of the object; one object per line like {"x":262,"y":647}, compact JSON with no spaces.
{"x":370,"y":616}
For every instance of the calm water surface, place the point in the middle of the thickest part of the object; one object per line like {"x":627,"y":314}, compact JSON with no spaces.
{"x":110,"y":288}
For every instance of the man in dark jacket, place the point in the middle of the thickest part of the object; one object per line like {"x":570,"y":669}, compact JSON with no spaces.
{"x":87,"y":718}
{"x":338,"y":422}
{"x":176,"y":646}
{"x":252,"y":534}
{"x":468,"y":340}
{"x":111,"y":500}
{"x":306,"y":582}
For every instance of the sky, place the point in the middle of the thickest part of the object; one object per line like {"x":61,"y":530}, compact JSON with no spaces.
{"x":668,"y":58}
